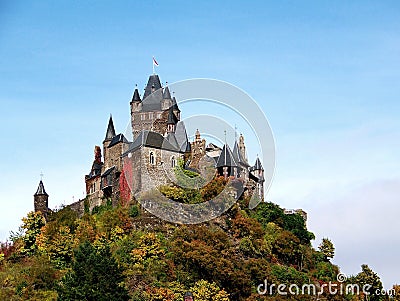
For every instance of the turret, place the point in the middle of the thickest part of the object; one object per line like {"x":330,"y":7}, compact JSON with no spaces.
{"x":258,"y":169}
{"x":171,"y":121}
{"x":166,"y":102}
{"x":41,"y":199}
{"x":242,"y":148}
{"x":177,"y":111}
{"x":110,"y":134}
{"x":226,"y":164}
{"x":136,"y":102}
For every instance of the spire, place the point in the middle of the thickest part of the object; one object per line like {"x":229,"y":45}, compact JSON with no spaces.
{"x":136,"y":96}
{"x":257,"y":165}
{"x":237,"y":154}
{"x":167,"y":94}
{"x":110,"y":129}
{"x":40,"y":190}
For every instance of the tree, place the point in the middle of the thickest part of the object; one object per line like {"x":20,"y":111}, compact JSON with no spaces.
{"x":206,"y":291}
{"x":287,"y":247}
{"x":95,"y":276}
{"x":370,"y":278}
{"x":31,"y":227}
{"x":395,"y":292}
{"x":327,"y":249}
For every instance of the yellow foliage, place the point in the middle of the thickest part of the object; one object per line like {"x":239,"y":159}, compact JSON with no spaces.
{"x":149,"y":247}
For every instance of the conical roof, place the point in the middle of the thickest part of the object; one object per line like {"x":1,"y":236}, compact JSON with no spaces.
{"x":110,"y":129}
{"x":166,"y":94}
{"x":136,"y":96}
{"x":258,"y":165}
{"x":226,"y":158}
{"x":237,"y":155}
{"x":40,"y":190}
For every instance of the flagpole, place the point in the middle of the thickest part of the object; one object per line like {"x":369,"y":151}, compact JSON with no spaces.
{"x":153,"y":66}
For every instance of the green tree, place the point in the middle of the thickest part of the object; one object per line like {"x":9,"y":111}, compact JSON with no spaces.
{"x":95,"y":276}
{"x":327,"y":249}
{"x":370,"y":278}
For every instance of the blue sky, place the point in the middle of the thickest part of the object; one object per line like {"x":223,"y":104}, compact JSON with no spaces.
{"x":325,"y":73}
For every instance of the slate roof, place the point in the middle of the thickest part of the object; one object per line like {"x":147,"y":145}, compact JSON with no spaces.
{"x":257,"y":165}
{"x":108,"y":171}
{"x":175,"y":104}
{"x":238,"y":156}
{"x":136,"y":96}
{"x":153,"y":82}
{"x":166,"y":94}
{"x":253,"y":177}
{"x":151,"y":139}
{"x":40,"y":190}
{"x":171,"y":138}
{"x":172,"y":119}
{"x":117,"y":139}
{"x":212,"y":146}
{"x":181,"y":137}
{"x":226,"y":158}
{"x":152,"y":102}
{"x":110,"y":129}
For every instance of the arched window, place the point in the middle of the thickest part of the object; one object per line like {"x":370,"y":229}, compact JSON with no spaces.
{"x":151,"y":158}
{"x":173,"y":162}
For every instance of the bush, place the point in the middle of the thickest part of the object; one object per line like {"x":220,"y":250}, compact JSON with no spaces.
{"x":134,"y":211}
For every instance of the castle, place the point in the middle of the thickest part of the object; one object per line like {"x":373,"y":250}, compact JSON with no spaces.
{"x":122,"y":169}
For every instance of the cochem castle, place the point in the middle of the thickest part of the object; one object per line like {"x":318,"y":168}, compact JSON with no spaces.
{"x":160,"y":143}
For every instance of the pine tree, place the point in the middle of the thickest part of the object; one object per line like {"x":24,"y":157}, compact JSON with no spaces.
{"x":95,"y":276}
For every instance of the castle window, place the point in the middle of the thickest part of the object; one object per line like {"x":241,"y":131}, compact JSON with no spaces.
{"x":151,"y":158}
{"x":142,"y":116}
{"x":173,"y":161}
{"x":151,"y":115}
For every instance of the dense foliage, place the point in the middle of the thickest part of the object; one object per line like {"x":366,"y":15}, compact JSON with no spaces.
{"x":122,"y":253}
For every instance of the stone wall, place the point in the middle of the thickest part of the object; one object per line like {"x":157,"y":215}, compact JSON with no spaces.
{"x":159,"y":173}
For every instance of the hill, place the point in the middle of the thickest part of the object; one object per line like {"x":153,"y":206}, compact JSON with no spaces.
{"x":125,"y":253}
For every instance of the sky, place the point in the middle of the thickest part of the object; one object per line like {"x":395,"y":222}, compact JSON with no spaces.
{"x":326,"y":74}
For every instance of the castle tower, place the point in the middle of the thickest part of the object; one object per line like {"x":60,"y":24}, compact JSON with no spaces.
{"x":258,"y":172}
{"x":198,"y":150}
{"x":166,"y":102}
{"x":41,"y":199}
{"x":242,"y":148}
{"x":226,"y":164}
{"x":171,"y":121}
{"x":136,"y":102}
{"x":110,"y":134}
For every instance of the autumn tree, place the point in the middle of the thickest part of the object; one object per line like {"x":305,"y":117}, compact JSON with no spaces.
{"x":327,"y":249}
{"x":205,"y":291}
{"x":30,"y":229}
